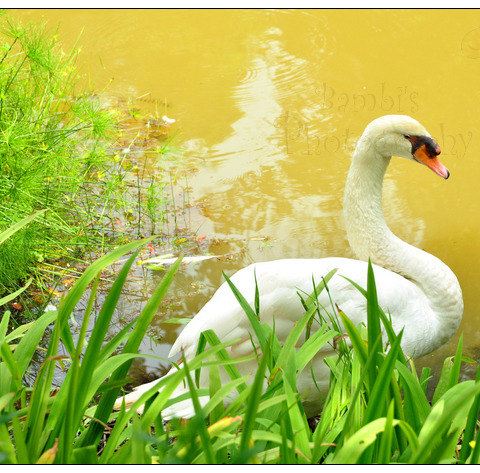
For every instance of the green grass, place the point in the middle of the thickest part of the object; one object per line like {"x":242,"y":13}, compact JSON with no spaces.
{"x":52,"y":141}
{"x":376,"y":411}
{"x":103,"y":175}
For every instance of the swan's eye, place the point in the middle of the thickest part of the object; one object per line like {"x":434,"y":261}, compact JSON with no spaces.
{"x":407,"y":136}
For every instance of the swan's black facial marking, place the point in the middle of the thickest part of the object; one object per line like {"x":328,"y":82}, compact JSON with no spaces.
{"x":431,"y":147}
{"x":425,"y":151}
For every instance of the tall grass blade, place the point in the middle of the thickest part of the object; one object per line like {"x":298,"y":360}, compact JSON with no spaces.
{"x":313,"y":345}
{"x":385,"y":448}
{"x":199,"y":419}
{"x":455,"y":403}
{"x":251,"y":314}
{"x":444,"y":381}
{"x":102,"y":324}
{"x":108,"y":399}
{"x":222,"y":355}
{"x":298,"y":423}
{"x":417,"y":399}
{"x":373,"y":323}
{"x":40,"y":396}
{"x":292,"y":339}
{"x":378,"y":395}
{"x":457,"y":364}
{"x":10,"y":297}
{"x":254,"y":397}
{"x":472,"y":419}
{"x":355,"y":337}
{"x":354,"y":447}
{"x":6,"y":234}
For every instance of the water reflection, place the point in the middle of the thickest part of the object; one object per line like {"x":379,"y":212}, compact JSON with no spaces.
{"x":257,"y":181}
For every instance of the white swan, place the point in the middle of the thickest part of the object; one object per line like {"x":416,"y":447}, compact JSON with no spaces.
{"x":420,"y":292}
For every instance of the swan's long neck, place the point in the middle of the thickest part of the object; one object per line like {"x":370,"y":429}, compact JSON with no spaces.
{"x":370,"y":237}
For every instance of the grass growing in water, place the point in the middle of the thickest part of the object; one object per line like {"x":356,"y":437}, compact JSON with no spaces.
{"x":102,"y":175}
{"x":51,"y":143}
{"x":377,"y":410}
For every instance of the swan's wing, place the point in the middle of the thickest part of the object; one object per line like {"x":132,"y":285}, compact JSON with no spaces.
{"x":279,"y":283}
{"x":222,"y":314}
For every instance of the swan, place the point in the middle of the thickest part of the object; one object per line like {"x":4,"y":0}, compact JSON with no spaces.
{"x":421,"y":293}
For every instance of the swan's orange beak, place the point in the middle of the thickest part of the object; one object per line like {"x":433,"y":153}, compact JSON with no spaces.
{"x":425,"y":151}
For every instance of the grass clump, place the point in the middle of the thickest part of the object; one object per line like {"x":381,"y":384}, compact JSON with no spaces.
{"x":53,"y":141}
{"x":104,"y":173}
{"x":376,"y":410}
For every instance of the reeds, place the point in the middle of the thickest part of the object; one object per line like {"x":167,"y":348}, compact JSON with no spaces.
{"x":376,"y":410}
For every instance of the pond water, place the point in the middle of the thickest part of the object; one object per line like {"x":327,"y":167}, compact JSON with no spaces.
{"x":270,"y":103}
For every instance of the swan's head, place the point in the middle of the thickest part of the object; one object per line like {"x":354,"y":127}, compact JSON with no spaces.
{"x":401,"y":135}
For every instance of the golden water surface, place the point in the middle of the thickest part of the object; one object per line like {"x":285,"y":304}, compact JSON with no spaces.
{"x":273,"y":101}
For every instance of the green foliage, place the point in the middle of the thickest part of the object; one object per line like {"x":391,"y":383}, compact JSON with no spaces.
{"x":52,"y":141}
{"x":376,"y":410}
{"x":40,"y":423}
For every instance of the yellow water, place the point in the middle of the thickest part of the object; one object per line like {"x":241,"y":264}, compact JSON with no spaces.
{"x":273,"y":101}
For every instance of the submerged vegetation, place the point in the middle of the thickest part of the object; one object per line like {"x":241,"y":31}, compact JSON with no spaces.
{"x":376,"y":411}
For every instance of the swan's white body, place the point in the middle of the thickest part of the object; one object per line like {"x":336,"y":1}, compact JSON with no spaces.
{"x":419,"y":291}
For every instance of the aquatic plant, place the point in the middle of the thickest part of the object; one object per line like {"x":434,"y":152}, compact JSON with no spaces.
{"x":103,"y":174}
{"x":377,"y":409}
{"x":53,"y":141}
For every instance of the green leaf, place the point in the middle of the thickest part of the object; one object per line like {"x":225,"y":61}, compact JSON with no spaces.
{"x":251,"y":315}
{"x":202,"y":342}
{"x":373,"y":323}
{"x":292,"y":339}
{"x":4,"y":326}
{"x":355,"y":337}
{"x":85,"y":456}
{"x":257,"y":295}
{"x":30,"y":341}
{"x":298,"y":421}
{"x":115,"y":342}
{"x":354,"y":447}
{"x":457,"y":363}
{"x":5,"y":399}
{"x":164,"y":389}
{"x":253,"y":402}
{"x":313,"y":345}
{"x":214,"y":406}
{"x":425,"y":378}
{"x":41,"y":393}
{"x":444,"y":381}
{"x":453,"y":404}
{"x":199,"y":418}
{"x":378,"y":394}
{"x":472,"y":418}
{"x":6,"y":234}
{"x":12,"y":365}
{"x":383,"y":317}
{"x":143,"y":321}
{"x":13,"y":295}
{"x":476,"y":451}
{"x":94,"y":348}
{"x":317,"y":290}
{"x":222,"y":355}
{"x":417,"y":399}
{"x":385,"y":448}
{"x":358,"y":443}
